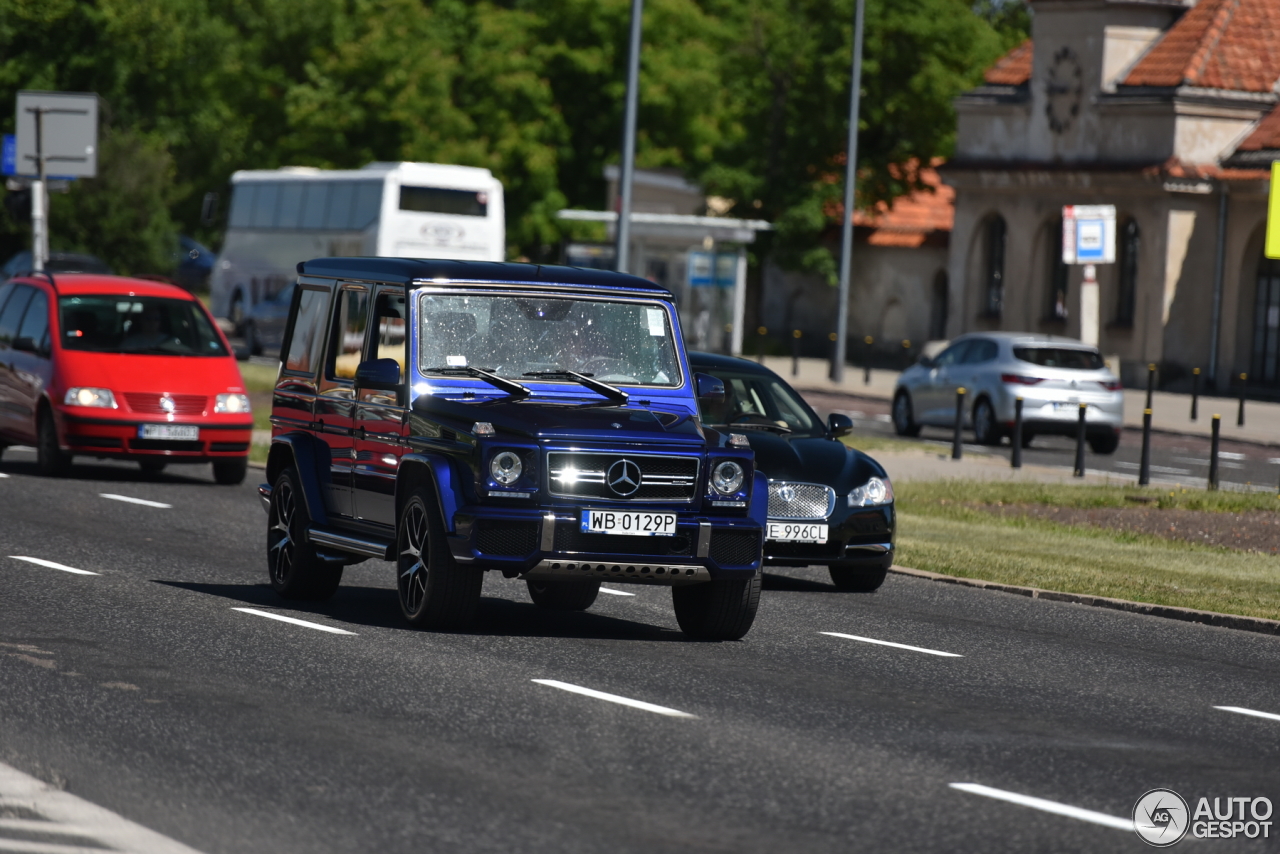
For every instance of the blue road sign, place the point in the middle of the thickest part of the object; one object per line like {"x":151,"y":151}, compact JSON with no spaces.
{"x":9,"y":155}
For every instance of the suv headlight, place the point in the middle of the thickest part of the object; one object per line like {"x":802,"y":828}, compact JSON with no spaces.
{"x":727,"y":477}
{"x":875,"y":491}
{"x":231,"y":403}
{"x":90,"y":397}
{"x":505,"y":468}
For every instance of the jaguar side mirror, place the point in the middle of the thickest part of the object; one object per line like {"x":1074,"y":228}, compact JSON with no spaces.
{"x":382,"y":374}
{"x":710,"y":389}
{"x":839,"y":425}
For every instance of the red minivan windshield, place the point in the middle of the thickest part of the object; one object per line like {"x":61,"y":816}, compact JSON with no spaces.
{"x":107,"y":323}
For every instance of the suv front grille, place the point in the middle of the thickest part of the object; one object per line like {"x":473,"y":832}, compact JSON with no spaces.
{"x":734,"y":548}
{"x":800,"y":500}
{"x":506,"y":538}
{"x":588,"y":475}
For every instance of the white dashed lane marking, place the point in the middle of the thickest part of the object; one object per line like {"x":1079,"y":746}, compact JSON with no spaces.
{"x":614,"y":698}
{"x":1243,"y":711}
{"x":615,"y":592}
{"x":895,"y":645}
{"x":1046,"y":806}
{"x":292,"y":620}
{"x":51,"y":565}
{"x":128,"y":499}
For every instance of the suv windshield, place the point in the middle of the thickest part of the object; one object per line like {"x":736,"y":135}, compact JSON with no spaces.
{"x":614,"y":342}
{"x":1060,"y":357}
{"x":108,"y":323}
{"x":764,"y":402}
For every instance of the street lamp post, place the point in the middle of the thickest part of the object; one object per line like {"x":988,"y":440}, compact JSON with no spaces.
{"x":850,"y":178}
{"x":622,"y":254}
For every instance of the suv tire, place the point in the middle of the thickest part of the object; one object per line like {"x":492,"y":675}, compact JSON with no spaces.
{"x":563,"y":595}
{"x":230,"y":472}
{"x":434,"y":591}
{"x":903,"y":417}
{"x":857,"y":579}
{"x":51,"y":461}
{"x":717,"y":610}
{"x":294,"y":567}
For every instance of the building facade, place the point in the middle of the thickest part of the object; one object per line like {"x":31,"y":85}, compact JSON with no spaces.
{"x":1166,"y":110}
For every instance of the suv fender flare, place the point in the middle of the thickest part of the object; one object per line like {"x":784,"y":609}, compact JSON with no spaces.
{"x":436,"y":470}
{"x":301,"y":451}
{"x":759,"y":509}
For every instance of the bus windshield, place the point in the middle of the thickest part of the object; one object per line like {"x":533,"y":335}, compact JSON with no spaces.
{"x":515,"y":337}
{"x":107,"y":323}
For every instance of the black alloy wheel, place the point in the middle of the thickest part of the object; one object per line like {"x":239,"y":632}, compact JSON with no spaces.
{"x":295,"y":570}
{"x":434,"y":591}
{"x":51,"y":460}
{"x":903,"y":418}
{"x":717,"y":610}
{"x":985,"y":429}
{"x":563,"y":595}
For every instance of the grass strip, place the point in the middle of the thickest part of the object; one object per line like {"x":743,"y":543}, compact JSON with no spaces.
{"x":951,"y":496}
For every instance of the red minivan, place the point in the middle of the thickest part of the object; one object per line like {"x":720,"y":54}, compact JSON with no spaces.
{"x":108,"y":366}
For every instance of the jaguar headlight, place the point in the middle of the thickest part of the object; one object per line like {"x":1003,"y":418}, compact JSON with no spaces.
{"x":100,"y":397}
{"x":506,"y":468}
{"x":727,"y":477}
{"x":874,"y":492}
{"x":231,"y":403}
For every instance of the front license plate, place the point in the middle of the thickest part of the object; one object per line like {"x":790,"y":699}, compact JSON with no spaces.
{"x":176,"y":432}
{"x":633,"y":524}
{"x":796,"y":532}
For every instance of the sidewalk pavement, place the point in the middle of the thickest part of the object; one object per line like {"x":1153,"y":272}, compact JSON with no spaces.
{"x":1170,"y":413}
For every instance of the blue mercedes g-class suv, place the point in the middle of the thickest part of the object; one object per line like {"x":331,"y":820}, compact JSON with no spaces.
{"x":454,"y":417}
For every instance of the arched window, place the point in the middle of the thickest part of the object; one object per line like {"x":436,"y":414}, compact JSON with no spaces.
{"x":1266,"y":322}
{"x":1130,"y":240}
{"x":994,"y":279}
{"x":938,"y":307}
{"x":1056,"y":308}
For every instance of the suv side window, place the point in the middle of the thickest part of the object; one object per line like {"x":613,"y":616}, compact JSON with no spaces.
{"x":11,"y":316}
{"x":306,"y":339}
{"x":348,"y":334}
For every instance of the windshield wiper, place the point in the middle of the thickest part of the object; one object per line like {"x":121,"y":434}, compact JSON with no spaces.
{"x":511,"y":387}
{"x":611,"y":392}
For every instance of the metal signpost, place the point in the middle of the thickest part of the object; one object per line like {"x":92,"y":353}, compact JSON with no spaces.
{"x":850,"y":178}
{"x":1089,"y":238}
{"x":623,"y":254}
{"x":58,"y":132}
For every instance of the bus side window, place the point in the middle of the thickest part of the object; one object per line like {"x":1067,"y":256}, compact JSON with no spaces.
{"x":241,"y":204}
{"x":290,"y":204}
{"x":315,"y":204}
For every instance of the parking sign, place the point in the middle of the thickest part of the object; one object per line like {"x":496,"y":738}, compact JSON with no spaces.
{"x":1089,"y":234}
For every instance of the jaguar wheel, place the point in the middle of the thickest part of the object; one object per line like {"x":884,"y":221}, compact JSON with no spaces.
{"x":903,"y":418}
{"x":563,"y":595}
{"x":51,"y":460}
{"x":986,"y":431}
{"x":717,"y":610}
{"x":434,"y":591}
{"x":857,"y":579}
{"x":295,"y":569}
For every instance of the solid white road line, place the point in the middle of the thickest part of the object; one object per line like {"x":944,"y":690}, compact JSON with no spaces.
{"x":1243,"y":711}
{"x":1046,"y":806}
{"x":615,"y":592}
{"x":144,"y":502}
{"x":896,"y":645}
{"x":51,"y":565}
{"x":614,"y":698}
{"x":66,"y":820}
{"x":296,"y":622}
{"x":3,"y":475}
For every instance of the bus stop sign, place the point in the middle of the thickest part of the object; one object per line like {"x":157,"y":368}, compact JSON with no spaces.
{"x":1089,"y":234}
{"x":68,"y":134}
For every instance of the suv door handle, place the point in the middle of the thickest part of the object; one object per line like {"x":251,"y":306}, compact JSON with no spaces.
{"x":359,"y":433}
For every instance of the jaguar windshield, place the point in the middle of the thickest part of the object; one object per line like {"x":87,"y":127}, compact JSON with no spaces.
{"x":538,"y":339}
{"x":144,"y":325}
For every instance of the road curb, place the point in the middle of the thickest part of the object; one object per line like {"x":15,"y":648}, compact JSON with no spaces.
{"x":1187,"y":615}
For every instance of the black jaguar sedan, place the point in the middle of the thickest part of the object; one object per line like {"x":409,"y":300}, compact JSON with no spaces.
{"x":828,"y":504}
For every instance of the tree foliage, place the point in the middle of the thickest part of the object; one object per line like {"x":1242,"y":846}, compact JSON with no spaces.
{"x":748,"y":96}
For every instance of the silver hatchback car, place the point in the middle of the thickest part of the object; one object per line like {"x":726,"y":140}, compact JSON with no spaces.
{"x":1053,"y":376}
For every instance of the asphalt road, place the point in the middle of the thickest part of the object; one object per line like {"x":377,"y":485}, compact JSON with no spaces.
{"x":142,"y":689}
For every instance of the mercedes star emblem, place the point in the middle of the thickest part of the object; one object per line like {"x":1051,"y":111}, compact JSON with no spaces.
{"x":623,"y":477}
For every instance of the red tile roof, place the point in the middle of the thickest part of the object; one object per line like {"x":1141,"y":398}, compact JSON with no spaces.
{"x":1217,"y":44}
{"x":1012,"y":69}
{"x":1266,"y":136}
{"x":910,"y":219}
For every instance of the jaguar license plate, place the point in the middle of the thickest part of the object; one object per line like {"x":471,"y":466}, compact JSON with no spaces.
{"x":625,"y":522}
{"x":174,"y":432}
{"x":796,"y":532}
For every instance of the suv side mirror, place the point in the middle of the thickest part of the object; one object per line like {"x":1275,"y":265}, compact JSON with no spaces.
{"x":710,"y":389}
{"x":383,"y":374}
{"x":839,"y":425}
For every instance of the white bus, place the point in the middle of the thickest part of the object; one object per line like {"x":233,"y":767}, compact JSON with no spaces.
{"x":408,"y":210}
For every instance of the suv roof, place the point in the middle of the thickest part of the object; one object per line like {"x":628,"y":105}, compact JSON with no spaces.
{"x":407,"y":270}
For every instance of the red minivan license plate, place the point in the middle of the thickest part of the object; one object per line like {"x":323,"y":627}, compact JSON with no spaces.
{"x":173,"y":432}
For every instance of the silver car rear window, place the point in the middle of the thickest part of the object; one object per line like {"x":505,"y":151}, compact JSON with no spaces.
{"x":1060,"y":357}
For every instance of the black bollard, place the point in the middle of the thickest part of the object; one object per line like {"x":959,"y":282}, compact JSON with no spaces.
{"x":1195,"y":392}
{"x":1144,"y":469}
{"x":1240,"y":411}
{"x":836,"y":356}
{"x":957,"y":441}
{"x":1079,"y":470}
{"x":795,"y":352}
{"x":761,"y":331}
{"x":866,"y":360}
{"x":1151,"y":382}
{"x":1015,"y":459}
{"x":1213,"y":453}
